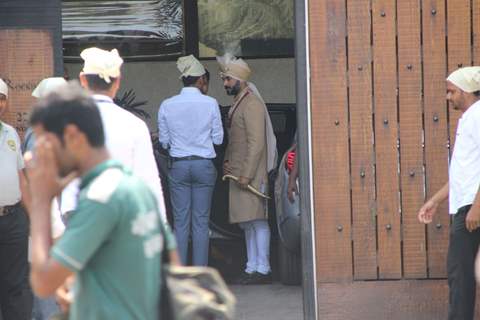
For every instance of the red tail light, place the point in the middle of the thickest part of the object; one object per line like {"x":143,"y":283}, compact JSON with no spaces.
{"x":290,"y":160}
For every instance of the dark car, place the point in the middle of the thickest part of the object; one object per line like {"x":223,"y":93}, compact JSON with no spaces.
{"x":288,"y":222}
{"x":227,"y":252}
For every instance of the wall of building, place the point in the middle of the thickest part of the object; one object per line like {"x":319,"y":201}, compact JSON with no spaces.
{"x":155,"y":81}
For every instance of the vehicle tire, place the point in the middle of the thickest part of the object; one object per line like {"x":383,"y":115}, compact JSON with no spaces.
{"x":289,"y":265}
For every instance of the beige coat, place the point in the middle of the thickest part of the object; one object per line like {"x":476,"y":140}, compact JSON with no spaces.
{"x":247,"y":156}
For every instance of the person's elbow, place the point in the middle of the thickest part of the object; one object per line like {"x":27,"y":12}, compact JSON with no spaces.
{"x":217,"y":139}
{"x":45,"y":279}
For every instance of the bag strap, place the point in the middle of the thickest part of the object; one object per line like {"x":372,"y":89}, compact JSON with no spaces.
{"x":165,"y":251}
{"x":165,"y":305}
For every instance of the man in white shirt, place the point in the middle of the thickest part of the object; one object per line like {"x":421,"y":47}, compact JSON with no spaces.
{"x":189,"y":125}
{"x":43,"y":309}
{"x":15,"y":294}
{"x":463,"y":92}
{"x":127,"y":136}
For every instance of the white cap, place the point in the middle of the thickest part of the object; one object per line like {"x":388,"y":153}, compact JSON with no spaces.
{"x":190,"y":66}
{"x":47,"y":86}
{"x":105,"y":64}
{"x":467,"y":79}
{"x":3,"y":88}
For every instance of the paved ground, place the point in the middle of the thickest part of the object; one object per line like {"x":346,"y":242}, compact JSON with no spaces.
{"x":268,"y":302}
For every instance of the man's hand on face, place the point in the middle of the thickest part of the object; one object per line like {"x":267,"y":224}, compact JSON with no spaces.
{"x":472,"y":221}
{"x":44,"y":181}
{"x":243,"y":182}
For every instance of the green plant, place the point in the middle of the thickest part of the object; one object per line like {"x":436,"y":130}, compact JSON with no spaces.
{"x":127,"y":102}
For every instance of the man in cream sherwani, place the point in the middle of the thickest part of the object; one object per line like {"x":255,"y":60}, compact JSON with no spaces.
{"x":251,"y":153}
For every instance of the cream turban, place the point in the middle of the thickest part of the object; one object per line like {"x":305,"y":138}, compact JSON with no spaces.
{"x":190,"y":66}
{"x":105,"y":64}
{"x":467,"y":79}
{"x":234,"y":67}
{"x":47,"y":86}
{"x":3,"y":88}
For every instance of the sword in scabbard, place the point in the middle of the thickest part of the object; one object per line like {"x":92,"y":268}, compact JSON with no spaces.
{"x":249,"y":187}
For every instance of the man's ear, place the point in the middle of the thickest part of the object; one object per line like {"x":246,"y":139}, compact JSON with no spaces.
{"x":200,"y":82}
{"x":115,"y":86}
{"x":72,"y":136}
{"x":83,"y":80}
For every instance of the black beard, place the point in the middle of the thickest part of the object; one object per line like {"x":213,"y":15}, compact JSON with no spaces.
{"x":233,"y":91}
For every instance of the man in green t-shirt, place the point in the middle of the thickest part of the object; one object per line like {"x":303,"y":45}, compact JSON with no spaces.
{"x":115,"y":237}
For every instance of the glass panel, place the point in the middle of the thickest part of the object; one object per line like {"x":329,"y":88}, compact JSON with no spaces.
{"x":247,"y":28}
{"x":138,"y":28}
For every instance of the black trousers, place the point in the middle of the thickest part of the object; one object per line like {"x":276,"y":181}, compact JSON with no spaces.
{"x":462,"y":251}
{"x":16,"y":297}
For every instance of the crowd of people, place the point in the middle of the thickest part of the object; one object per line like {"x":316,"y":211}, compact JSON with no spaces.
{"x":82,"y":214}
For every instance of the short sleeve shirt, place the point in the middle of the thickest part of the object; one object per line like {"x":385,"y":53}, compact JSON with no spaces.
{"x":464,"y":171}
{"x":11,"y":162}
{"x":113,"y":242}
{"x":132,"y":147}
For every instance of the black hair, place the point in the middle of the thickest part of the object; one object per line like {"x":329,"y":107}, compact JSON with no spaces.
{"x":190,"y":80}
{"x":95,"y":83}
{"x":476,"y":93}
{"x":70,"y":105}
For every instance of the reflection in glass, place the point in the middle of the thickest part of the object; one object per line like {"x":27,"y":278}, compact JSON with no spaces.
{"x":246,"y":28}
{"x":138,"y":28}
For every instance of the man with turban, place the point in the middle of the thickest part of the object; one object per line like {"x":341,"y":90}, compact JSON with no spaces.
{"x":127,"y":136}
{"x":251,"y":153}
{"x":15,"y":294}
{"x":463,"y":92}
{"x":189,"y":125}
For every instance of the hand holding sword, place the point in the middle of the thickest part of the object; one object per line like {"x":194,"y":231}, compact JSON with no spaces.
{"x":244,"y":183}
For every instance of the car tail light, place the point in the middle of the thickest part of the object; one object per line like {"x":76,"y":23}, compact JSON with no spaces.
{"x":290,"y":160}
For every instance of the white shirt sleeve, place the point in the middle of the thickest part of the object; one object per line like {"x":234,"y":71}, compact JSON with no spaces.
{"x":145,"y":167}
{"x":217,"y":126}
{"x":68,"y":200}
{"x":56,"y":220}
{"x":163,"y":132}
{"x":20,"y":161}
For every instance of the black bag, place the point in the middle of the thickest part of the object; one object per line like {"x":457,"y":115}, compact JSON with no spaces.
{"x":193,"y":293}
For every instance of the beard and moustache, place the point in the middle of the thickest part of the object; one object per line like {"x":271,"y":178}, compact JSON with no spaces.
{"x":233,"y":91}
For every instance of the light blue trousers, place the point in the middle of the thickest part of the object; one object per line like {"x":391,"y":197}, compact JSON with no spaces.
{"x":44,"y":308}
{"x":191,"y":185}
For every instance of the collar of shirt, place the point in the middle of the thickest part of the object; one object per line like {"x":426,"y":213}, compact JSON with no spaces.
{"x":190,"y":90}
{"x":470,"y":110}
{"x":102,"y":98}
{"x":97,"y":170}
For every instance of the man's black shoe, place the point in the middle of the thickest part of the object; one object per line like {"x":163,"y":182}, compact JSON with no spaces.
{"x":259,"y":278}
{"x":244,"y":278}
